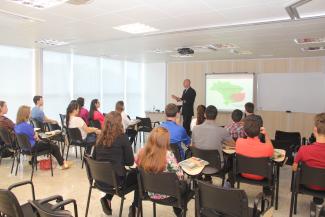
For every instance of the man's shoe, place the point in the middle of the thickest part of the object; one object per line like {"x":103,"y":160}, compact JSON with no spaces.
{"x":106,"y":208}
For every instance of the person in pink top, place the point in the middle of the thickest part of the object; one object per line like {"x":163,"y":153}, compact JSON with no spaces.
{"x":83,"y":113}
{"x":94,"y":114}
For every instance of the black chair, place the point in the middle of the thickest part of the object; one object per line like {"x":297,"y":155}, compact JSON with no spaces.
{"x":174,"y":148}
{"x":215,"y":201}
{"x":291,"y":142}
{"x":9,"y":205}
{"x":322,"y":212}
{"x":59,"y":137}
{"x":95,"y":123}
{"x":179,"y":194}
{"x":258,"y":166}
{"x":25,"y":148}
{"x":306,"y":176}
{"x":56,"y":210}
{"x":9,"y":146}
{"x":62,"y":119}
{"x":75,"y":139}
{"x":144,"y":126}
{"x":38,"y":124}
{"x":102,"y":174}
{"x":213,"y":157}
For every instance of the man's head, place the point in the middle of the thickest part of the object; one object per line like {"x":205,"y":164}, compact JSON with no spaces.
{"x":3,"y":108}
{"x":252,"y":126}
{"x":171,"y":110}
{"x":119,"y":106}
{"x":249,"y":108}
{"x":38,"y":100}
{"x":211,"y":112}
{"x":319,"y":129}
{"x":186,"y":83}
{"x":237,"y":115}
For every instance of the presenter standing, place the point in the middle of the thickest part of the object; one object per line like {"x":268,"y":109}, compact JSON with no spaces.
{"x":187,"y":99}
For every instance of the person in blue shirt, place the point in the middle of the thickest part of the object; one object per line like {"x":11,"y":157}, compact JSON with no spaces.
{"x":38,"y":113}
{"x":177,"y":133}
{"x":23,"y":127}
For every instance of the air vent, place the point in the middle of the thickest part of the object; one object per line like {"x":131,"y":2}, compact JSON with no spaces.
{"x":309,"y":40}
{"x":312,"y":49}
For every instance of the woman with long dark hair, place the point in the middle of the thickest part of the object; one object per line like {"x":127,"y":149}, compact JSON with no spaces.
{"x":74,"y":121}
{"x":94,"y":113}
{"x":113,"y":146}
{"x":200,"y":118}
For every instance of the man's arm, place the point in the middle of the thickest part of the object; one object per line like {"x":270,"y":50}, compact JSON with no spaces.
{"x":48,"y":120}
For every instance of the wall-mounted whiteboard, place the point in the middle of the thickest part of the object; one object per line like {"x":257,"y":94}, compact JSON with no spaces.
{"x":296,"y":92}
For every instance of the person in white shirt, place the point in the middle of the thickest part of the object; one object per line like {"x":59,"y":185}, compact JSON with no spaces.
{"x":126,"y":122}
{"x":74,"y":121}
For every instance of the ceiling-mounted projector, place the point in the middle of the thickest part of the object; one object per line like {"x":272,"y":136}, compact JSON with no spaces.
{"x":185,"y":51}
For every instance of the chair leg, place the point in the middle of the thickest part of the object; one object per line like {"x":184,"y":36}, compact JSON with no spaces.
{"x":51,"y":165}
{"x":296,"y":202}
{"x":76,"y":151}
{"x":13,"y":164}
{"x":18,"y":161}
{"x":292,"y":204}
{"x":66,"y":157}
{"x":36,"y":162}
{"x":121,"y":206}
{"x":83,"y":159}
{"x":88,"y":201}
{"x":31,"y":177}
{"x":154,"y":209}
{"x":139,"y":209}
{"x":238,"y":184}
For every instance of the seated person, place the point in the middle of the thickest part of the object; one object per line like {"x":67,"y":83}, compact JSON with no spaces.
{"x":252,"y":146}
{"x":177,"y":133}
{"x":83,"y":113}
{"x":4,"y":121}
{"x":23,"y":127}
{"x":38,"y":113}
{"x":156,"y":157}
{"x":314,"y":155}
{"x":94,"y":113}
{"x":113,"y":146}
{"x":249,"y":110}
{"x":236,"y":128}
{"x":200,"y":118}
{"x":74,"y":121}
{"x":209,"y":136}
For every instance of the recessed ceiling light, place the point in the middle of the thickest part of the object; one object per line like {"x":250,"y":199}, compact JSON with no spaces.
{"x":51,"y":42}
{"x":182,"y":56}
{"x":39,"y":4}
{"x":309,"y":40}
{"x":311,"y":49}
{"x":135,"y":28}
{"x":240,"y":52}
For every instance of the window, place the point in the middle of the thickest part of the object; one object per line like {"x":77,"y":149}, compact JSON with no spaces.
{"x":56,"y":83}
{"x":113,"y":83}
{"x":86,"y":78}
{"x":17,"y":78}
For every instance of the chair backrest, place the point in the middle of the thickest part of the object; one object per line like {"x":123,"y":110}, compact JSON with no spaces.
{"x":62,"y":118}
{"x":228,"y":202}
{"x":95,"y":123}
{"x":38,"y":124}
{"x":74,"y":135}
{"x":258,"y":166}
{"x":145,"y":122}
{"x":23,"y":142}
{"x":310,"y":176}
{"x":5,"y":136}
{"x":44,"y":211}
{"x":152,"y":182}
{"x":53,"y":127}
{"x":9,"y":205}
{"x":175,"y":150}
{"x":212,"y":156}
{"x":100,"y":171}
{"x":294,"y":137}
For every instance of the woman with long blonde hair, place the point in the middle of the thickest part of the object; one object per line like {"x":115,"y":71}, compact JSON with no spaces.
{"x":156,"y":157}
{"x":114,"y":146}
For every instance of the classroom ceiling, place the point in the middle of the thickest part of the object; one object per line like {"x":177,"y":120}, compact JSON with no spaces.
{"x":258,"y":28}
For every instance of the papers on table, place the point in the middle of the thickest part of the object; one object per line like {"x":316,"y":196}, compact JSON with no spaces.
{"x":193,"y":165}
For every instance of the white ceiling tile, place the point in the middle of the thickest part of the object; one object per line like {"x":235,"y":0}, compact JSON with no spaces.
{"x":312,"y":8}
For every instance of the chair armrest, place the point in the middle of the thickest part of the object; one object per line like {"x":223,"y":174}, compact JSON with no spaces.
{"x":21,"y":184}
{"x":58,"y":198}
{"x":66,"y":202}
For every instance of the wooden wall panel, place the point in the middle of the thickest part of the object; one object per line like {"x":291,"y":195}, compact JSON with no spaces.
{"x":274,"y":66}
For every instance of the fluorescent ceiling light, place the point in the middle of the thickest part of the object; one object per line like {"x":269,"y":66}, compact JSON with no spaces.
{"x":51,"y":42}
{"x":136,"y":28}
{"x":309,"y":40}
{"x":20,"y":16}
{"x":240,"y":52}
{"x":311,"y":49}
{"x":182,"y":56}
{"x":39,"y":4}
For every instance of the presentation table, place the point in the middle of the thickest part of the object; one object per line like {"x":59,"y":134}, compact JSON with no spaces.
{"x":155,"y":116}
